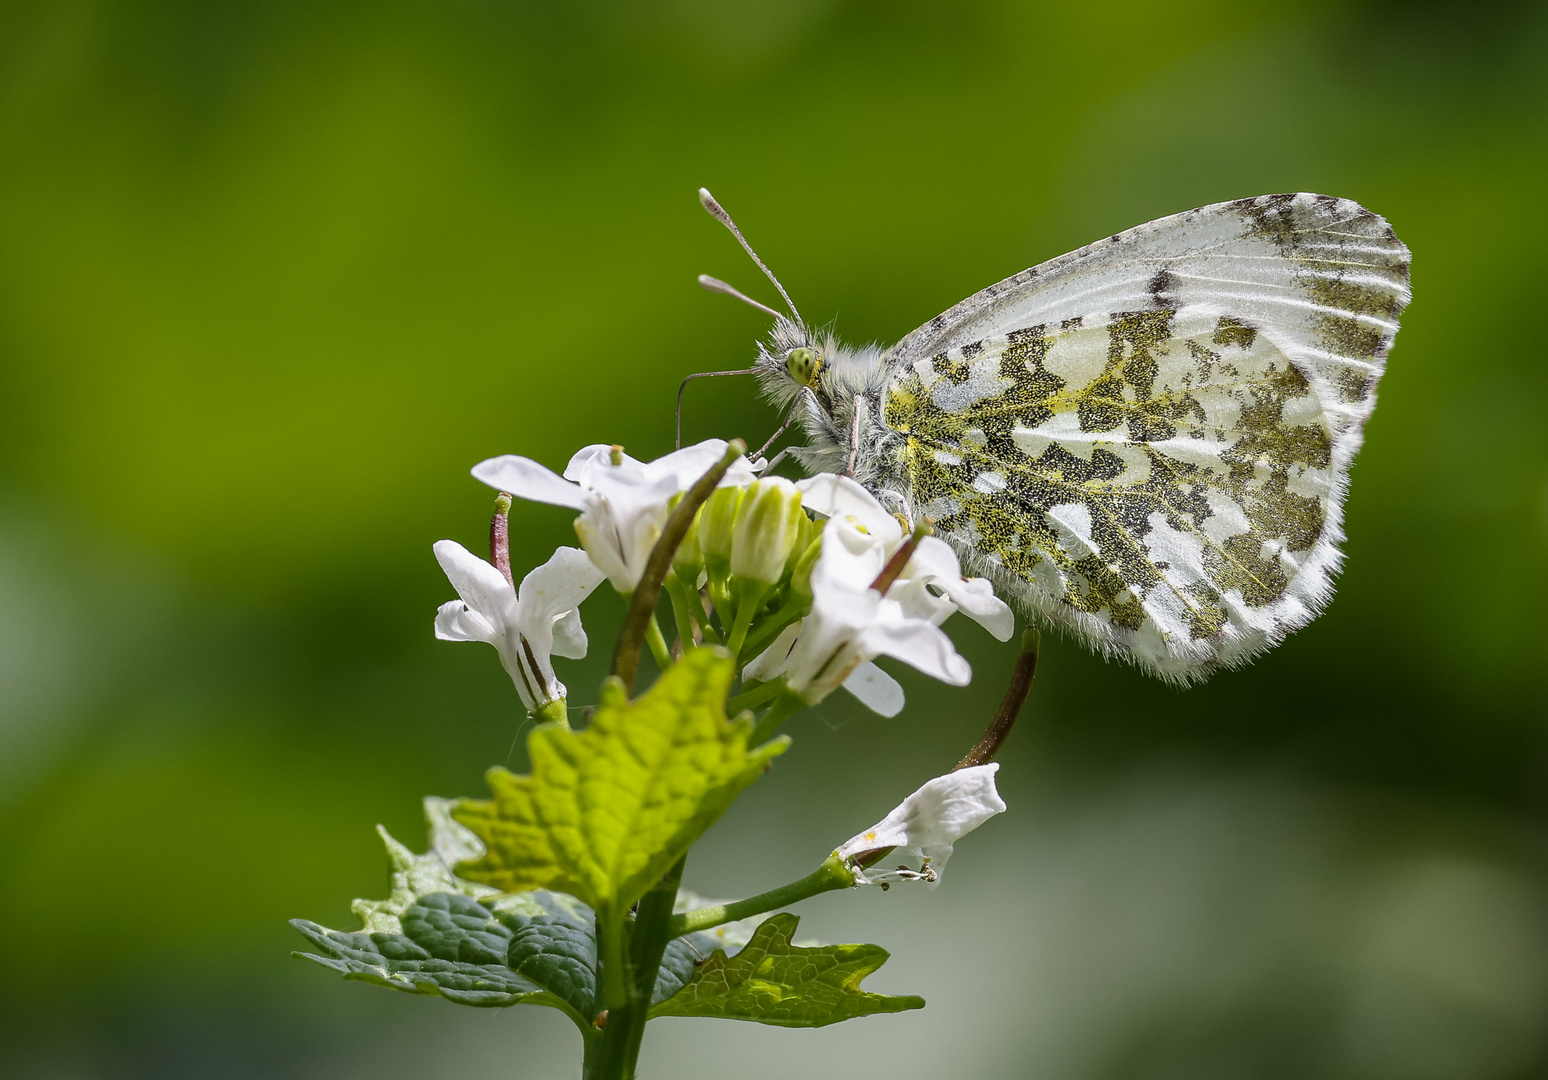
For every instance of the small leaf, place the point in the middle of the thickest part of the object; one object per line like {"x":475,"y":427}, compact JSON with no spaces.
{"x":606,"y":811}
{"x":771,"y":981}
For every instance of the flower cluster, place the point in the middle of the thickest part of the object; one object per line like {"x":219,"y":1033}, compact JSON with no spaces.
{"x":808,"y":583}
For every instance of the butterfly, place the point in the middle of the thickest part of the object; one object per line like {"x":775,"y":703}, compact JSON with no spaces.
{"x":1146,"y":441}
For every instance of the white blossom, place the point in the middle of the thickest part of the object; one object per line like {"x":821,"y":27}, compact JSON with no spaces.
{"x":623,"y":506}
{"x":528,"y":626}
{"x":929,"y":822}
{"x":933,"y":566}
{"x":851,"y":624}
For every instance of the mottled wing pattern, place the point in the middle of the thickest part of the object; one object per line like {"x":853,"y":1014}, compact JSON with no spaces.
{"x":1149,"y":440}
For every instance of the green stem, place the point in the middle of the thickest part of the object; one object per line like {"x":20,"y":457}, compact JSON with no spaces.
{"x":682,"y":614}
{"x":615,"y":984}
{"x":832,"y":874}
{"x":755,"y":697}
{"x":749,"y":599}
{"x":771,"y":721}
{"x":642,"y":604}
{"x":769,"y":629}
{"x":658,"y":645}
{"x":619,"y":1051}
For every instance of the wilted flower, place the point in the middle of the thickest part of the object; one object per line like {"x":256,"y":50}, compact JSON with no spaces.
{"x":929,"y":822}
{"x":529,"y":626}
{"x":623,"y":502}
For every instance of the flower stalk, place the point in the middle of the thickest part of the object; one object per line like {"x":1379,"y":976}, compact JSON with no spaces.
{"x":1010,"y":706}
{"x":642,"y":605}
{"x":832,"y":874}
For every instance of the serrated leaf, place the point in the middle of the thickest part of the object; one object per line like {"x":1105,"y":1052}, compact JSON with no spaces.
{"x":608,"y":810}
{"x":771,"y":981}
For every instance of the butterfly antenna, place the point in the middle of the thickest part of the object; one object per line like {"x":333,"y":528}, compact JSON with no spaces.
{"x":718,"y":212}
{"x":702,"y":375}
{"x":715,"y":285}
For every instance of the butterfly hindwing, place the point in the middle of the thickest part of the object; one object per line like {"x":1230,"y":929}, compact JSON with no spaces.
{"x":1148,"y":440}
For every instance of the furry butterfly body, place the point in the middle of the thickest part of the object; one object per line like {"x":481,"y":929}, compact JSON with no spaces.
{"x":1146,"y":441}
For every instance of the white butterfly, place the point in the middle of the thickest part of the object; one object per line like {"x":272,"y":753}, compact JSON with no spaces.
{"x":1146,"y":441}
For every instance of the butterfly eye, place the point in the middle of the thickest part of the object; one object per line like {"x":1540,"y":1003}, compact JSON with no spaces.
{"x":802,"y":364}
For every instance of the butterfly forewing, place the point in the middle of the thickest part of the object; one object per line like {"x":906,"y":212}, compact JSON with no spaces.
{"x":1148,"y":440}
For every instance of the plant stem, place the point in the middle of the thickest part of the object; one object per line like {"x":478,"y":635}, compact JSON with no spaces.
{"x":682,"y":614}
{"x":1015,"y":696}
{"x":610,"y":941}
{"x":619,"y":1051}
{"x":748,"y":600}
{"x":642,"y":605}
{"x":899,"y":561}
{"x":769,"y":724}
{"x":769,"y":629}
{"x":759,"y":694}
{"x":999,"y":726}
{"x":832,"y":874}
{"x":658,"y":645}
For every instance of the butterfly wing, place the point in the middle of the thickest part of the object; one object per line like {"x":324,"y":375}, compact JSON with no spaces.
{"x":1148,"y":440}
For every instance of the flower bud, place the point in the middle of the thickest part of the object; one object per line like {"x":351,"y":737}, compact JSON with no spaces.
{"x":768,"y":524}
{"x":717,"y":520}
{"x":802,"y":559}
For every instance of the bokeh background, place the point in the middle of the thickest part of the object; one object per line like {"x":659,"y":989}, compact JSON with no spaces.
{"x":274,"y":275}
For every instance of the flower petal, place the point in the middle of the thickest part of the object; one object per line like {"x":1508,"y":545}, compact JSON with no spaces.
{"x":876,"y":690}
{"x":595,"y":456}
{"x":771,"y":662}
{"x":937,"y":563}
{"x":916,"y":643}
{"x":936,"y":816}
{"x":840,"y":497}
{"x":558,"y":586}
{"x":918,"y":602}
{"x":454,"y":622}
{"x":481,"y":586}
{"x":526,"y":479}
{"x":569,"y":636}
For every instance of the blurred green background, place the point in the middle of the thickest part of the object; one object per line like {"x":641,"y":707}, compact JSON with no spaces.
{"x":274,"y":275}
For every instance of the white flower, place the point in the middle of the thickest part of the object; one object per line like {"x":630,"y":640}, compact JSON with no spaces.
{"x":929,"y":822}
{"x":851,"y":624}
{"x":933,"y":563}
{"x":623,"y":506}
{"x":527,"y":627}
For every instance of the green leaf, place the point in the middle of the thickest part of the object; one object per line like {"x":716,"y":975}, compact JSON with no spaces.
{"x":771,"y":981}
{"x":539,"y":950}
{"x":438,"y":934}
{"x":608,"y":810}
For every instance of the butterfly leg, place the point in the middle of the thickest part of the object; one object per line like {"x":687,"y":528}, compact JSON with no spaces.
{"x":854,"y":437}
{"x":790,"y":419}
